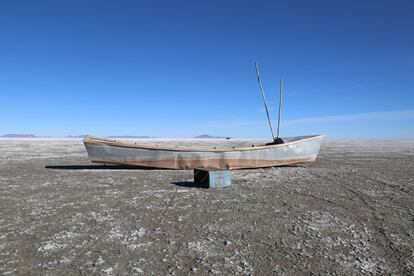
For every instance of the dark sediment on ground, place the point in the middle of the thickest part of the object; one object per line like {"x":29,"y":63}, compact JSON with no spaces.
{"x":350,"y":212}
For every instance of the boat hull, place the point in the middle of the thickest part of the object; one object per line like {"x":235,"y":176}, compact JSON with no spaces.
{"x":115,"y":152}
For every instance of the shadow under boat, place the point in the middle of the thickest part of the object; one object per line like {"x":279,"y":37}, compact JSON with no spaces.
{"x":99,"y":167}
{"x":189,"y":184}
{"x":136,"y":167}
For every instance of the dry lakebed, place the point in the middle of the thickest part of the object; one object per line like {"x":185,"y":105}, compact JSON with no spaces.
{"x":350,"y":212}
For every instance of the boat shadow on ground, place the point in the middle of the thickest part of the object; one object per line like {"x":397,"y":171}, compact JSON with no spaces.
{"x":126,"y":167}
{"x":189,"y":184}
{"x":98,"y":167}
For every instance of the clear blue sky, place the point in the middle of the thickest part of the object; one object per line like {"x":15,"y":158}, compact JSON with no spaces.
{"x":184,"y":68}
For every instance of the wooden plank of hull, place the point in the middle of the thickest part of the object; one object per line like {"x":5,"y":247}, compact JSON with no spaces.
{"x":297,"y":151}
{"x":208,"y":163}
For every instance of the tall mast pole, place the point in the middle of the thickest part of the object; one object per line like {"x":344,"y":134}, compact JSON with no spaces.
{"x":264,"y":100}
{"x":280,"y":109}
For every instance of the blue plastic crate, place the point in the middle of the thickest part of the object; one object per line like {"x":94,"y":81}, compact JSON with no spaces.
{"x":212,"y":178}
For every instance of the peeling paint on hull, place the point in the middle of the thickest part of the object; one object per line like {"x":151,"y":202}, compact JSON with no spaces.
{"x":297,"y":150}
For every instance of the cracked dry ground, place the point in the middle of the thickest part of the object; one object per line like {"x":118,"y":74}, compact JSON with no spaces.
{"x":351,"y":212}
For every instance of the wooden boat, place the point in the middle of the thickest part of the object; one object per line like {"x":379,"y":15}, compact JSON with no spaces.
{"x":252,"y":155}
{"x":293,"y":150}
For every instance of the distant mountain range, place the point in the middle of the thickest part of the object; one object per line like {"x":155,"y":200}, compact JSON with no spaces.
{"x":206,"y":136}
{"x":12,"y":135}
{"x":18,"y":136}
{"x":131,"y":136}
{"x":75,"y":136}
{"x":113,"y":136}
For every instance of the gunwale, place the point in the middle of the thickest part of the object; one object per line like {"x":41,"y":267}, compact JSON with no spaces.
{"x":126,"y":144}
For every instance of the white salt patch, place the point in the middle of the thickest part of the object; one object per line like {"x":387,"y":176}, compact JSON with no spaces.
{"x":156,"y":191}
{"x":141,"y":232}
{"x":108,"y":271}
{"x":64,"y":260}
{"x":115,"y":234}
{"x":8,"y":272}
{"x":59,"y":241}
{"x":51,"y":246}
{"x":99,"y":261}
{"x":138,"y":245}
{"x":137,"y":233}
{"x":137,"y":270}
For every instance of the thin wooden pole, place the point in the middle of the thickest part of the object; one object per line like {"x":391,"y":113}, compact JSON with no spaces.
{"x":264,"y":100}
{"x":280,"y":109}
